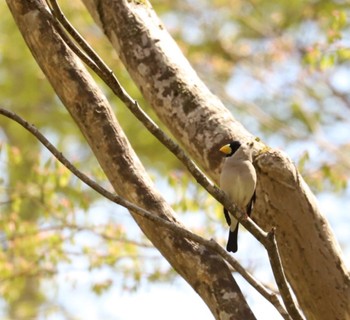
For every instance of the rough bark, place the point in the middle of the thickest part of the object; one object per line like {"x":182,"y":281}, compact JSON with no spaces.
{"x":309,"y":251}
{"x":204,"y":270}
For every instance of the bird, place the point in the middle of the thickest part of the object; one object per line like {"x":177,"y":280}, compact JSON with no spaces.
{"x":238,"y":181}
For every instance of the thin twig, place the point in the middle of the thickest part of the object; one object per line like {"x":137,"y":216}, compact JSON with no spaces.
{"x":87,"y":54}
{"x":180,"y":231}
{"x":280,"y":276}
{"x":76,"y":228}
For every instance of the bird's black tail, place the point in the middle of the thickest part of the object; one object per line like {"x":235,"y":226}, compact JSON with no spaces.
{"x":232,"y":240}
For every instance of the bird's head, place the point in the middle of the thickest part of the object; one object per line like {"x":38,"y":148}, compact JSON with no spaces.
{"x":231,"y":148}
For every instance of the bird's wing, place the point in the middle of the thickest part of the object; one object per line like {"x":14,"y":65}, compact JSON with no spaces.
{"x":227,"y":217}
{"x":251,"y":204}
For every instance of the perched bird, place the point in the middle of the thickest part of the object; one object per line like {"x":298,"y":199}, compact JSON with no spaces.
{"x":238,"y":181}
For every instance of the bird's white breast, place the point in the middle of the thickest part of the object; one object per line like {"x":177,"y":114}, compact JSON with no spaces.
{"x":238,"y":181}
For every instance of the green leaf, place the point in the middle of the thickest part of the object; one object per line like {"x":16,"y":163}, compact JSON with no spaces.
{"x":305,"y":157}
{"x":101,"y":287}
{"x":327,"y":61}
{"x":303,"y":116}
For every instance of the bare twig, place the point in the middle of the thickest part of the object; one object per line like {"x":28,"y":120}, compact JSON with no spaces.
{"x":180,"y":231}
{"x":280,"y":276}
{"x":342,"y":96}
{"x":77,"y":228}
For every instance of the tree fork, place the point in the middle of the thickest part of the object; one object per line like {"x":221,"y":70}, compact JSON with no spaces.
{"x":205,"y":271}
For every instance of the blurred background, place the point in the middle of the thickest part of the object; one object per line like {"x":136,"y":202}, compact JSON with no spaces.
{"x":281,"y":67}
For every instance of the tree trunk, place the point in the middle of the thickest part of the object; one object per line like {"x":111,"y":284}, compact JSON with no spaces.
{"x":203,"y":269}
{"x":310,"y":254}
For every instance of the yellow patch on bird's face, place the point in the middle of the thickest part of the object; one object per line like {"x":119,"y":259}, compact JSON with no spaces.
{"x":226,"y":149}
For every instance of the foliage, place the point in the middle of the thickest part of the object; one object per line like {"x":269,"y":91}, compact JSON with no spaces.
{"x":279,"y":65}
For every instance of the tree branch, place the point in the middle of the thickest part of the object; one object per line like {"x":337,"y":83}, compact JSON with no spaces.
{"x":178,"y":230}
{"x":89,"y":57}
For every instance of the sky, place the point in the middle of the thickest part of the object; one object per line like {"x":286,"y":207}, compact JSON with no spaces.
{"x":177,"y":300}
